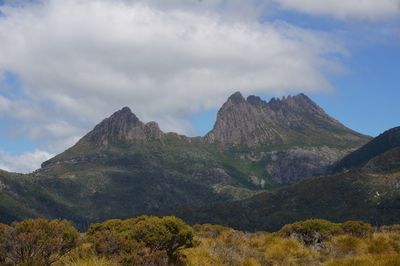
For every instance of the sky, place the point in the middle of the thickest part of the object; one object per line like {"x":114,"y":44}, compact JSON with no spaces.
{"x":66,"y":65}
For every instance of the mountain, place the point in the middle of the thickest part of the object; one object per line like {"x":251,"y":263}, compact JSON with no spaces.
{"x":123,"y":125}
{"x":292,"y":121}
{"x":283,"y":140}
{"x":125,"y":167}
{"x":384,"y":143}
{"x":370,"y":191}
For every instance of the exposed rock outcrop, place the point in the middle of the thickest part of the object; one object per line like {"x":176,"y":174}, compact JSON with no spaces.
{"x":294,"y":120}
{"x":123,"y":125}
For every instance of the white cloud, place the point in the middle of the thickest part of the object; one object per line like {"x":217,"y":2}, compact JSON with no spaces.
{"x":23,"y":163}
{"x":79,"y":61}
{"x":231,"y":9}
{"x":346,"y":9}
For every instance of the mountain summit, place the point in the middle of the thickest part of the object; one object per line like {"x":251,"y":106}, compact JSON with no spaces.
{"x":123,"y":125}
{"x":292,"y":120}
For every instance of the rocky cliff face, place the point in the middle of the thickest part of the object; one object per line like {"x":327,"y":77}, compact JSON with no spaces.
{"x":295,"y":120}
{"x":293,"y":165}
{"x":123,"y":125}
{"x":241,"y":122}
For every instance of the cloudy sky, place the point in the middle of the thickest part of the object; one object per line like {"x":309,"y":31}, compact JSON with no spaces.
{"x":66,"y":65}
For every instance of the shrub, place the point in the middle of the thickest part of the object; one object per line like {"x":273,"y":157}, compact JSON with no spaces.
{"x":357,"y":229}
{"x":167,"y":234}
{"x":311,"y":232}
{"x":110,"y":239}
{"x":146,"y":240}
{"x":37,"y":242}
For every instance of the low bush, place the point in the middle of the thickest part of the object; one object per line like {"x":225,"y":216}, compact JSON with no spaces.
{"x":357,"y":229}
{"x":311,"y":232}
{"x":36,"y":242}
{"x":146,"y":240}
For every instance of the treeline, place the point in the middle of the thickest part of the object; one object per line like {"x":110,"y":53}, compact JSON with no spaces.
{"x":150,"y":240}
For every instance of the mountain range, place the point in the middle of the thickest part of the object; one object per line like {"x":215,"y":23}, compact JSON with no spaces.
{"x":368,"y":189}
{"x":263,"y":164}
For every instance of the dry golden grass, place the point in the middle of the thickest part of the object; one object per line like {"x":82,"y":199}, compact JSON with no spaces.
{"x":229,"y":247}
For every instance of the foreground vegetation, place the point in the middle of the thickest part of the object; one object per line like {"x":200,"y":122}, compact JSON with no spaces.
{"x":150,"y":240}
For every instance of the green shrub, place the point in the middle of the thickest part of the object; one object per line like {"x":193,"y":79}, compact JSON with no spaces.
{"x":37,"y":242}
{"x":110,"y":239}
{"x":357,"y":229}
{"x":142,"y":240}
{"x":167,"y":234}
{"x":311,"y":232}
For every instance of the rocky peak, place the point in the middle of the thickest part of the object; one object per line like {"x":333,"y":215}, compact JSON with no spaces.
{"x":293,"y":119}
{"x":304,"y":103}
{"x":255,"y":100}
{"x":121,"y":118}
{"x":236,"y":98}
{"x":238,"y":121}
{"x":235,"y":101}
{"x":153,"y":130}
{"x":123,"y":125}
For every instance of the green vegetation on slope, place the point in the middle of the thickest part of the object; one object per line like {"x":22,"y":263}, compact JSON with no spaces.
{"x":369,"y":193}
{"x":352,"y":195}
{"x":381,"y":144}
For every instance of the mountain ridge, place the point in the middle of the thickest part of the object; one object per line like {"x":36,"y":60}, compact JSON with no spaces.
{"x":253,"y":122}
{"x":367,"y":191}
{"x":124,"y":167}
{"x":390,"y":139}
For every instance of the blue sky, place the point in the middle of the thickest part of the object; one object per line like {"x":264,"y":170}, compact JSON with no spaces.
{"x":66,"y":65}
